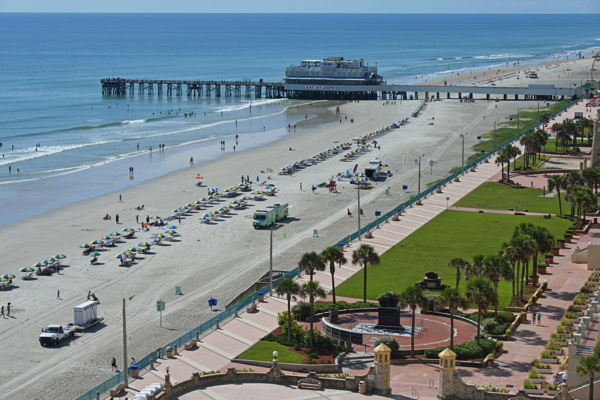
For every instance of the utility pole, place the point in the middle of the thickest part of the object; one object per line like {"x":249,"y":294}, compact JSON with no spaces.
{"x":161,"y":308}
{"x":419,"y":185}
{"x":463,"y":152}
{"x":359,"y":211}
{"x":125,"y":369}
{"x":271,"y":265}
{"x":538,"y":111}
{"x":495,"y":135}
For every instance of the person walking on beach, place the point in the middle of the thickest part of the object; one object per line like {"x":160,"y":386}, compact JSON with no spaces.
{"x":8,"y":310}
{"x":248,"y":178}
{"x":117,"y":218}
{"x":58,"y":294}
{"x":120,"y":199}
{"x":2,"y":312}
{"x":533,"y":319}
{"x":314,"y":188}
{"x":179,"y":217}
{"x":89,"y":294}
{"x":300,"y":185}
{"x":147,"y":219}
{"x":137,"y":219}
{"x":113,"y":364}
{"x":234,"y":149}
{"x":539,"y":316}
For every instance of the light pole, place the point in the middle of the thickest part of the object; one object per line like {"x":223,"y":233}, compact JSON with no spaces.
{"x":271,"y":266}
{"x":518,"y":121}
{"x":463,"y":152}
{"x":126,"y":371}
{"x":358,"y":212}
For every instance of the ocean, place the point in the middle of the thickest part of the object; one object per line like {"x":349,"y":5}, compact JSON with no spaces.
{"x":51,"y":66}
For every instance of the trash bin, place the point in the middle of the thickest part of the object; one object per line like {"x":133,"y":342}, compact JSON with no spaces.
{"x":135,"y":371}
{"x":362,"y":387}
{"x":261,"y":296}
{"x":341,"y":246}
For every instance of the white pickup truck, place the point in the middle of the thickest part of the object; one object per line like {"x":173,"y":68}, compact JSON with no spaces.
{"x":53,"y":334}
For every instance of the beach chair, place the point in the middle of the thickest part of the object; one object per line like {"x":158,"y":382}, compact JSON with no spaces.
{"x":27,"y":276}
{"x":156,"y":241}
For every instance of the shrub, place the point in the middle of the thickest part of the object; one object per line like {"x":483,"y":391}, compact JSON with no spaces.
{"x":534,"y":298}
{"x":582,"y":296}
{"x":311,"y":362}
{"x":566,"y":322}
{"x":533,"y":373}
{"x":551,"y":386}
{"x":297,"y":347}
{"x":547,"y":354}
{"x":467,"y":350}
{"x":574,"y":309}
{"x":509,"y":331}
{"x":589,"y":284}
{"x":505,"y":317}
{"x":552,"y":346}
{"x":536,"y":363}
{"x":560,"y":329}
{"x":269,"y":338}
{"x":493,"y":389}
{"x":499,"y":344}
{"x":528,"y":385}
{"x":522,"y":314}
{"x":489,"y":325}
{"x":545,"y":283}
{"x":586,"y":289}
{"x":389,"y":342}
{"x":388,"y":299}
{"x":579,"y":302}
{"x":302,"y":309}
{"x":571,"y":315}
{"x":297,"y":329}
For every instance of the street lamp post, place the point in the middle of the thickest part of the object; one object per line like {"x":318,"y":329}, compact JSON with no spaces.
{"x":358,"y":211}
{"x":463,"y":152}
{"x":271,"y":265}
{"x":125,"y":370}
{"x":419,"y":184}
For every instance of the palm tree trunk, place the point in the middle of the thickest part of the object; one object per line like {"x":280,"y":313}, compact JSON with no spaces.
{"x":333,"y":284}
{"x":451,"y":329}
{"x":312,"y":313}
{"x":457,"y":276}
{"x":523,"y":277}
{"x":591,"y":394}
{"x":496,"y":291}
{"x":513,"y":281}
{"x":412,"y":335}
{"x":508,"y":170}
{"x":289,"y":317}
{"x":311,"y":273}
{"x":534,"y":269}
{"x":365,"y":284}
{"x":527,"y":273}
{"x":559,"y":202}
{"x":478,"y":323}
{"x":517,"y":273}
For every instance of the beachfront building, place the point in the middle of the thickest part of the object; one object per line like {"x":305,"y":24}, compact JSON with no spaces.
{"x":323,"y":79}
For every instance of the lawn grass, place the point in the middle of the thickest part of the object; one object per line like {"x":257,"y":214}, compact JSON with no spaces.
{"x":507,"y":130}
{"x":263,"y":351}
{"x":495,"y":196}
{"x":451,"y":234}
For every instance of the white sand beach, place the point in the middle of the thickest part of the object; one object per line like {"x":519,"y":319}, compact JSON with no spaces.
{"x":220,"y":259}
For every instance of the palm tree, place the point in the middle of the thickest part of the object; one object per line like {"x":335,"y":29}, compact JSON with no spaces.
{"x":312,"y":291}
{"x":458,"y":263}
{"x":480,"y":291}
{"x":508,"y":252}
{"x":311,"y":262}
{"x":590,"y":201}
{"x":333,"y":255}
{"x":544,"y":120}
{"x":591,"y":177}
{"x":496,"y":267}
{"x":576,"y":197}
{"x":288,"y":288}
{"x":570,"y":129}
{"x":588,"y":366}
{"x":528,"y":142}
{"x":451,"y":299}
{"x":476,"y":268}
{"x":501,"y":160}
{"x":527,"y":250}
{"x":365,"y":255}
{"x":511,"y":152}
{"x":562,"y":136}
{"x":413,"y":297}
{"x":543,"y":241}
{"x":557,"y":182}
{"x":523,"y":246}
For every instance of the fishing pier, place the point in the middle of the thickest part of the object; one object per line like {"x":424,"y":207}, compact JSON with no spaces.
{"x":193,"y":88}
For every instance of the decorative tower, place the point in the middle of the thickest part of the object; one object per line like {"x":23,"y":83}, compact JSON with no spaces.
{"x":447,"y":365}
{"x":382,"y":369}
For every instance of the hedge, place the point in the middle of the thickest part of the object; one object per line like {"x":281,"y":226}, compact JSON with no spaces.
{"x":467,"y":350}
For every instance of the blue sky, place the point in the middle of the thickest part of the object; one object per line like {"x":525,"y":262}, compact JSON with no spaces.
{"x":305,"y":6}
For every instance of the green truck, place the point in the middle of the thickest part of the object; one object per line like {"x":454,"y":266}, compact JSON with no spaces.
{"x":264,"y":218}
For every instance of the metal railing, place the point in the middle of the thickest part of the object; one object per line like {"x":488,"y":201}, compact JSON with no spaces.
{"x":211,"y":323}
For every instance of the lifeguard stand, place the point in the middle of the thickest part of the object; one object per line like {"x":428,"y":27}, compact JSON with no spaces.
{"x":332,"y":187}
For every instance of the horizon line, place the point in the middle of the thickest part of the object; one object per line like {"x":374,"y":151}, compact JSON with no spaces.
{"x":289,"y":13}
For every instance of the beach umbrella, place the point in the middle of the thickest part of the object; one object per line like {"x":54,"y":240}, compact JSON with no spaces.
{"x":8,"y":276}
{"x":172,"y":227}
{"x":155,"y":217}
{"x":161,"y":236}
{"x":84,"y":246}
{"x":136,"y":249}
{"x":207,"y":216}
{"x":127,"y":230}
{"x":94,"y":254}
{"x":114,"y":234}
{"x":246,"y":198}
{"x":124,"y":254}
{"x":27,"y":269}
{"x":3,"y":280}
{"x":172,"y":232}
{"x":52,"y":260}
{"x":236,"y":202}
{"x":384,"y":165}
{"x":199,"y":177}
{"x":145,"y":244}
{"x":108,"y":238}
{"x":60,"y":256}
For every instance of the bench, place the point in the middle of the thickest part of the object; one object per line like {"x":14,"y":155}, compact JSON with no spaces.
{"x":115,"y":392}
{"x":309,"y":383}
{"x":190,"y":345}
{"x":251,"y":308}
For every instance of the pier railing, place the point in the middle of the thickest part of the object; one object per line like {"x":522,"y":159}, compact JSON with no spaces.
{"x":221,"y":317}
